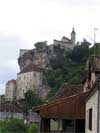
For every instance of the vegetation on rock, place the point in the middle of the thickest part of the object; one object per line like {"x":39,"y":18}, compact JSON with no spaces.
{"x":69,"y":66}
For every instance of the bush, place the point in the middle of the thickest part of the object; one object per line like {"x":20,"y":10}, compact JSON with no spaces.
{"x":13,"y":126}
{"x":33,"y":128}
{"x":2,"y":126}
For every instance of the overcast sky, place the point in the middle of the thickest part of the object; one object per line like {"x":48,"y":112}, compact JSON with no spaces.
{"x":25,"y":22}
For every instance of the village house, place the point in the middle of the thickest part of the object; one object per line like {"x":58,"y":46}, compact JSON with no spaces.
{"x":93,"y":99}
{"x":30,"y":78}
{"x":10,"y":90}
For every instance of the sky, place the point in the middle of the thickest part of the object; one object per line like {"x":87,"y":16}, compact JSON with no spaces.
{"x":25,"y":22}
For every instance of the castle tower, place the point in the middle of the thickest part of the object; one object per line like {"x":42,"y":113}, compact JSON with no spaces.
{"x":73,"y":36}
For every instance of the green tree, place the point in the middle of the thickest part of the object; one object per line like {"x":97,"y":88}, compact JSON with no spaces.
{"x":33,"y":128}
{"x":14,"y":126}
{"x":80,"y":53}
{"x":32,"y":99}
{"x":41,"y":45}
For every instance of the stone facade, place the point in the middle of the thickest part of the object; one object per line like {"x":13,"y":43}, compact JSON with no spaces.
{"x":28,"y":80}
{"x":10,"y":91}
{"x":92,"y":103}
{"x":66,"y":42}
{"x":31,"y":78}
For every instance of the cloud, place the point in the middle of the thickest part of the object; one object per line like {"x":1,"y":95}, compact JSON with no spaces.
{"x":9,"y":52}
{"x":2,"y":89}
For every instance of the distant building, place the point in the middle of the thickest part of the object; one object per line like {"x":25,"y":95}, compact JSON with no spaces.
{"x":8,"y":111}
{"x":66,"y":42}
{"x":10,"y":90}
{"x":30,"y":78}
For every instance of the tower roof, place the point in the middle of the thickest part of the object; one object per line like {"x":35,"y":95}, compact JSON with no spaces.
{"x":73,"y":31}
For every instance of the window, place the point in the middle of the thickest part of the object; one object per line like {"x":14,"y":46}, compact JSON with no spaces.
{"x":90,"y":119}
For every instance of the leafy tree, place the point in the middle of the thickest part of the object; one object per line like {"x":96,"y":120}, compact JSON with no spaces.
{"x":41,"y":45}
{"x":14,"y":126}
{"x":2,"y":126}
{"x":32,"y":99}
{"x":80,"y":53}
{"x":33,"y":128}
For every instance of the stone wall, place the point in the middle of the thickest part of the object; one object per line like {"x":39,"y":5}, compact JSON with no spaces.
{"x":29,"y":80}
{"x":10,"y":91}
{"x":92,"y":103}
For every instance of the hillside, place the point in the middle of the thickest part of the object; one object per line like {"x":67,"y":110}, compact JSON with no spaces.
{"x":69,"y":66}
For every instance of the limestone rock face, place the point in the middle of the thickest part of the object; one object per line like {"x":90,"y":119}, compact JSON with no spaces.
{"x":33,"y":61}
{"x":37,"y":57}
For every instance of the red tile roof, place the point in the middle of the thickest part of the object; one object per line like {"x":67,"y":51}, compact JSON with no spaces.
{"x":11,"y":81}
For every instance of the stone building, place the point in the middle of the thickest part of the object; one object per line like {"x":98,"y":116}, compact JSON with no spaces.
{"x":10,"y":90}
{"x":66,"y":42}
{"x":31,"y":78}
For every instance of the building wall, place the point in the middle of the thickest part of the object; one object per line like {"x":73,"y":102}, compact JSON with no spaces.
{"x":67,"y":45}
{"x":90,"y":83}
{"x":26,"y":81}
{"x":8,"y":115}
{"x":93,"y":79}
{"x":10,"y":90}
{"x":92,"y":103}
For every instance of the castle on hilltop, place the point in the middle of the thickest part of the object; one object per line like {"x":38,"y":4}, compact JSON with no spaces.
{"x":66,"y":42}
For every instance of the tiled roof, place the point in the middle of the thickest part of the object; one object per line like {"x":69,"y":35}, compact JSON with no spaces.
{"x":11,"y":81}
{"x":10,"y":107}
{"x":68,"y":90}
{"x":31,"y":68}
